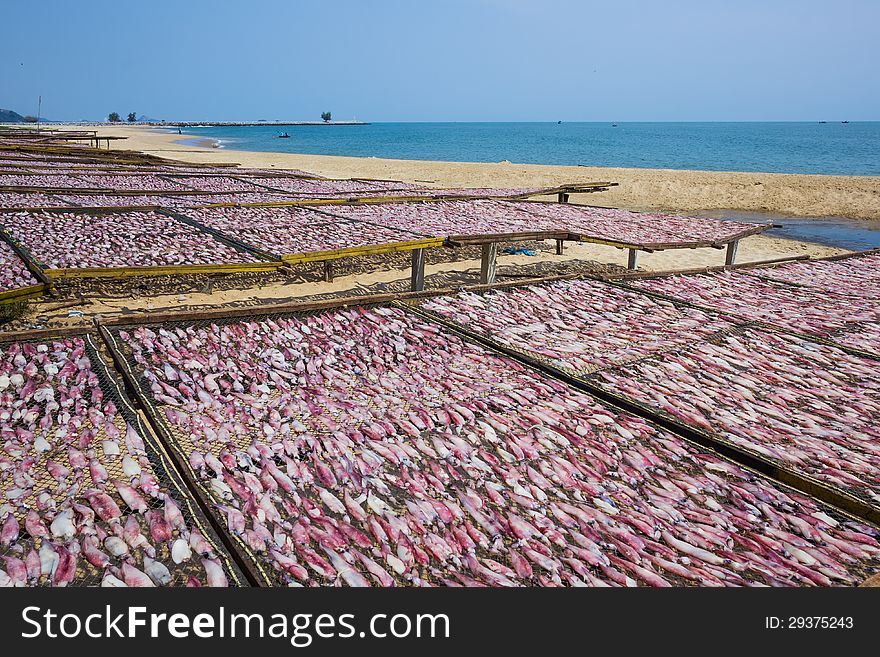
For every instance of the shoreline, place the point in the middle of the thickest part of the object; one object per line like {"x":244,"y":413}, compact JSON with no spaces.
{"x":164,"y":144}
{"x":801,"y":195}
{"x":200,"y":142}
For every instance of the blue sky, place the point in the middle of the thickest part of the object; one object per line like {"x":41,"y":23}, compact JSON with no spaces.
{"x":482,"y":60}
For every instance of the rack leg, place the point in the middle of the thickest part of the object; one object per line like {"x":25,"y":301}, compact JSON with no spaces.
{"x":632,"y":261}
{"x":562,"y":197}
{"x":417,"y":279}
{"x":488,"y":263}
{"x":328,"y":271}
{"x":560,"y":247}
{"x":730,"y":257}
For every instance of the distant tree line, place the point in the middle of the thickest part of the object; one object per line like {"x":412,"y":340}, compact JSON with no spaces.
{"x":326,"y":116}
{"x":114,"y":117}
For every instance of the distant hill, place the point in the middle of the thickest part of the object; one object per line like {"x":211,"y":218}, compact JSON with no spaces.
{"x":8,"y":116}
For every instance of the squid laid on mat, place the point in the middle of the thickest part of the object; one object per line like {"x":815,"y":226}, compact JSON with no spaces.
{"x":14,"y":273}
{"x":132,"y":239}
{"x":810,"y":406}
{"x":85,"y":499}
{"x":845,"y":317}
{"x":287,"y":231}
{"x":370,"y":447}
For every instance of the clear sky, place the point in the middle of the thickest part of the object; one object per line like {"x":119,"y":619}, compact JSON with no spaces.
{"x":444,"y":60}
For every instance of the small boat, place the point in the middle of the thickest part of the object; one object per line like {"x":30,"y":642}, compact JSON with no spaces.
{"x":823,"y":121}
{"x":844,"y":121}
{"x":284,"y":135}
{"x":613,"y":125}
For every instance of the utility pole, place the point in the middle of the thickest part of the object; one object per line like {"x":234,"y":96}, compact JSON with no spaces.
{"x":39,"y":111}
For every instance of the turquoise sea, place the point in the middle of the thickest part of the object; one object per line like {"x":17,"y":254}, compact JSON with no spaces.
{"x":825,"y":148}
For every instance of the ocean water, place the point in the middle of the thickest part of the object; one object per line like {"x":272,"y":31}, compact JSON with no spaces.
{"x":825,"y":148}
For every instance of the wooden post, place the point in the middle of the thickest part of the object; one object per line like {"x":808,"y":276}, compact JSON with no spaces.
{"x":417,"y":279}
{"x":328,"y":271}
{"x":560,"y":247}
{"x":488,"y":263}
{"x":562,"y":197}
{"x":730,"y":257}
{"x":633,"y":259}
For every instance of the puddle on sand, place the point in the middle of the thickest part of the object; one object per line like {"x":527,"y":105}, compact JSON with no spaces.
{"x":854,"y":234}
